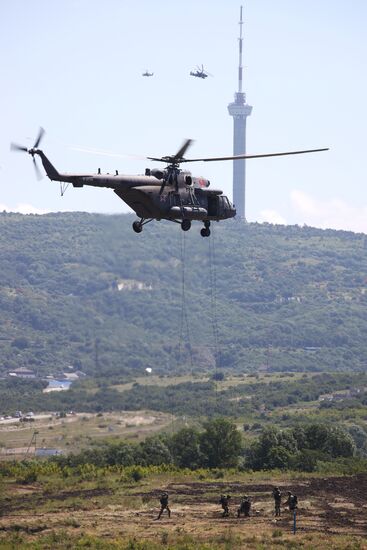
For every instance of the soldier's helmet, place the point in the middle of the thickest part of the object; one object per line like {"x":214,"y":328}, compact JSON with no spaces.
{"x":289,"y":492}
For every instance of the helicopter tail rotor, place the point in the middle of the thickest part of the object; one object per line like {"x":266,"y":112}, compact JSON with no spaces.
{"x":41,"y":133}
{"x":38,"y":172}
{"x":16,"y":147}
{"x":32,"y":151}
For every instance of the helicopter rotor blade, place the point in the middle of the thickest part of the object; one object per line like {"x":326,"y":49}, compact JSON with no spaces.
{"x":16,"y":147}
{"x":39,"y":175}
{"x":178,"y":157}
{"x":106,"y":153}
{"x":41,"y":133}
{"x":180,"y":153}
{"x":261,"y":155}
{"x":32,"y":151}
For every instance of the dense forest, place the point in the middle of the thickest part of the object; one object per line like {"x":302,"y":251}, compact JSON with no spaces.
{"x":84,"y":290}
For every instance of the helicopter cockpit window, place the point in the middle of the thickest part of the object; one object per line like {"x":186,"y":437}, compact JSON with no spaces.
{"x":224,"y":201}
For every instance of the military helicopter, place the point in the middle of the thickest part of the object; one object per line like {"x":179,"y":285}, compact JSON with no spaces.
{"x":200,"y":72}
{"x":147,"y":73}
{"x":169,"y":193}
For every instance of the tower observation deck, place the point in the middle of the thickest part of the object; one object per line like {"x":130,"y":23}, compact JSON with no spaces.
{"x":239,"y":110}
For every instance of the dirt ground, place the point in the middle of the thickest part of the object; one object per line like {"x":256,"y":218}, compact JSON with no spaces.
{"x":331,"y":506}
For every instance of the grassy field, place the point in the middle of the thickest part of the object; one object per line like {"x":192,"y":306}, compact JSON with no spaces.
{"x":116,"y":508}
{"x":111,"y":511}
{"x":77,"y":431}
{"x":230,"y":381}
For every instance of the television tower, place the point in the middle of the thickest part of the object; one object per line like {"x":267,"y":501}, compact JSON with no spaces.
{"x":239,"y":110}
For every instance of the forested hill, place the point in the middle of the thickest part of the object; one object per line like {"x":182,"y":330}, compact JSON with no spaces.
{"x":85,"y":290}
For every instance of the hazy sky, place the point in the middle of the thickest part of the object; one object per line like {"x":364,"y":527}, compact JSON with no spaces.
{"x":74,"y":67}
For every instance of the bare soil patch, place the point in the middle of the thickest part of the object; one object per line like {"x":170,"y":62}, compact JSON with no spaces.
{"x":334,"y":506}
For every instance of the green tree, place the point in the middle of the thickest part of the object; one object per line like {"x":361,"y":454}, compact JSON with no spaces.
{"x":274,"y":449}
{"x":220,"y":443}
{"x":185,"y":448}
{"x":121,"y":453}
{"x":332,"y":440}
{"x":339,"y":443}
{"x":306,"y":460}
{"x":279,"y":457}
{"x":153,"y":451}
{"x":316,"y":436}
{"x":359,"y":436}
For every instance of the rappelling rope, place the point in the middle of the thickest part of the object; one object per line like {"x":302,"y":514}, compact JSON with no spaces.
{"x":213,"y":293}
{"x":214,"y":316}
{"x":184,"y":317}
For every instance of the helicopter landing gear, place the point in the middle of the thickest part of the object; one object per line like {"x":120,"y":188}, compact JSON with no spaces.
{"x":137,"y":227}
{"x":205,"y":232}
{"x":138,"y":224}
{"x":185,"y":225}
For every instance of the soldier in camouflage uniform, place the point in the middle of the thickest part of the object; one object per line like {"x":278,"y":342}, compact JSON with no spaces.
{"x":164,"y":505}
{"x":245,"y":507}
{"x":224,"y":502}
{"x":291,"y":502}
{"x":277,"y":495}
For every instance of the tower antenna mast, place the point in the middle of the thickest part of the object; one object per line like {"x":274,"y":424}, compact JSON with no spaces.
{"x":239,"y":111}
{"x":240,"y":42}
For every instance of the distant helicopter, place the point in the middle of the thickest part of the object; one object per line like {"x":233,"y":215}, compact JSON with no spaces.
{"x":200,"y":72}
{"x":147,"y":73}
{"x":169,"y":193}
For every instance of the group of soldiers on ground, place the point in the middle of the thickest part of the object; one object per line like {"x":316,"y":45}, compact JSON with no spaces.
{"x":291,"y":502}
{"x":245,"y":504}
{"x":244,"y":507}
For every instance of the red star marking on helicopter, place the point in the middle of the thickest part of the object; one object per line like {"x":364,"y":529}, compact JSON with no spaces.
{"x":202,"y":182}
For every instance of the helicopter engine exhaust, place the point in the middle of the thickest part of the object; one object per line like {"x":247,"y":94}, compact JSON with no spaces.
{"x":155,"y":172}
{"x":184,"y":179}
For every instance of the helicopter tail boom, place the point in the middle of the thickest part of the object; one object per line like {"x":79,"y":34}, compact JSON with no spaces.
{"x":50,"y":170}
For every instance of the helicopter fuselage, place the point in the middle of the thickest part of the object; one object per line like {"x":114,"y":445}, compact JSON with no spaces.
{"x":170,"y":194}
{"x":199,"y":74}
